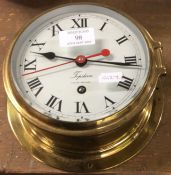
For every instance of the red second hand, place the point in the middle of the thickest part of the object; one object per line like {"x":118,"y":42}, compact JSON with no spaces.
{"x":104,"y":52}
{"x":40,"y":70}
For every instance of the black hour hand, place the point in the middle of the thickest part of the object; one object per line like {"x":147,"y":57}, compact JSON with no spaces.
{"x":51,"y":55}
{"x":48,"y":55}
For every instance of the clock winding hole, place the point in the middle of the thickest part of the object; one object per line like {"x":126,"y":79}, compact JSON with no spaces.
{"x":81,"y":89}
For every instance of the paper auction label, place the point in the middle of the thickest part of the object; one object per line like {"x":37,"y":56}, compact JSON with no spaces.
{"x":76,"y":37}
{"x":110,"y":77}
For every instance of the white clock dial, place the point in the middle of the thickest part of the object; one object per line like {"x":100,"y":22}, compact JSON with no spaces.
{"x":107,"y":82}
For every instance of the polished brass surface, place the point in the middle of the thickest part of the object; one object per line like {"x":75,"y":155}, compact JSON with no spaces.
{"x":96,"y":155}
{"x":95,"y":145}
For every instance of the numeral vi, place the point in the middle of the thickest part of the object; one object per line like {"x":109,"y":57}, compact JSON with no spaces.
{"x":81,"y":107}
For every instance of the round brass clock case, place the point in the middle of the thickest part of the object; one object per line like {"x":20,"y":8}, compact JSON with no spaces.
{"x":90,"y":145}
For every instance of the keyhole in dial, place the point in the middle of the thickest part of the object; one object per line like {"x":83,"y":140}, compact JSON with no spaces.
{"x":81,"y":89}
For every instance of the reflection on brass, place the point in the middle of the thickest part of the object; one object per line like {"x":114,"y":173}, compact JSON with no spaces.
{"x":95,"y":145}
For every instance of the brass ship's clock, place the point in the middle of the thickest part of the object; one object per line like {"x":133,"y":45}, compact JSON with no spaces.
{"x":83,"y":86}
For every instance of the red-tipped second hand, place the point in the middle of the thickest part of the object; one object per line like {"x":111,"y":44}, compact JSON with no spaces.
{"x":47,"y":68}
{"x":104,"y":52}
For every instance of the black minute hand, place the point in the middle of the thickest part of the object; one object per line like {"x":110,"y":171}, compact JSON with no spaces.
{"x":115,"y":63}
{"x":51,"y":56}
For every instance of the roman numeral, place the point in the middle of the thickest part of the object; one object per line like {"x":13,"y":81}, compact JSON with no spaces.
{"x":126,"y":83}
{"x":55,"y":29}
{"x":35,"y":85}
{"x":30,"y":65}
{"x":121,"y":40}
{"x":104,"y":24}
{"x":54,"y":103}
{"x":131,"y":60}
{"x":81,"y":106}
{"x":39,"y":45}
{"x":108,"y":102}
{"x":78,"y":23}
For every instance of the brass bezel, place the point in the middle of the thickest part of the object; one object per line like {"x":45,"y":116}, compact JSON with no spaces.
{"x":35,"y":125}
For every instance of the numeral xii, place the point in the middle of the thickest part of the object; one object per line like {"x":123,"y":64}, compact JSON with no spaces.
{"x":79,"y":23}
